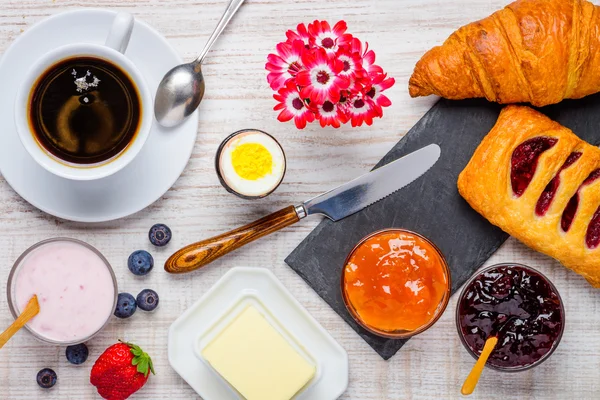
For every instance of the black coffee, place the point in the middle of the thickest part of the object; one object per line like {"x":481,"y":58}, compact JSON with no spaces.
{"x":84,"y":110}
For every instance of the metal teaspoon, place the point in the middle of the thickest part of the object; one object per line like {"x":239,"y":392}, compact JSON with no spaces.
{"x":182,"y":88}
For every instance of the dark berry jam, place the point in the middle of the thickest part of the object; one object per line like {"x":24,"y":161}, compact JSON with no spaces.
{"x":569,"y":212}
{"x":524,"y":161}
{"x":548,"y":194}
{"x":592,"y":236}
{"x":519,"y":306}
{"x":571,"y":208}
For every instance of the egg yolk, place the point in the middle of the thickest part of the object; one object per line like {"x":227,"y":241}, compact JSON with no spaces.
{"x":252,"y":161}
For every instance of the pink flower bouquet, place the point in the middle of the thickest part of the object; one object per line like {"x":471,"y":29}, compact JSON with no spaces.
{"x":326,"y":74}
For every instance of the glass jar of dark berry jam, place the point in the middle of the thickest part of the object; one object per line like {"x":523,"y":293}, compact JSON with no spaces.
{"x":517,"y":304}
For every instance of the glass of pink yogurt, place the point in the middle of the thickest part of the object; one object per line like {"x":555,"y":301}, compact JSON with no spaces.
{"x":76,"y":289}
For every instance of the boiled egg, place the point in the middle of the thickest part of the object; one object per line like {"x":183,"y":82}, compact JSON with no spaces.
{"x":251,"y":163}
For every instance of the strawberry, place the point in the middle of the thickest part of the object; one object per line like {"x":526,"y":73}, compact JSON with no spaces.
{"x":121,"y":371}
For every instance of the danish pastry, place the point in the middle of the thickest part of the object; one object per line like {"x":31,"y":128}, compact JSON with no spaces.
{"x":535,"y":51}
{"x":537,"y":181}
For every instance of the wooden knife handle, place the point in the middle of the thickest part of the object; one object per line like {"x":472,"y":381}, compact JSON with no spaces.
{"x":201,"y":253}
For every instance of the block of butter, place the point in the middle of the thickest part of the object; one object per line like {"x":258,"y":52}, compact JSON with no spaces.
{"x":257,"y":360}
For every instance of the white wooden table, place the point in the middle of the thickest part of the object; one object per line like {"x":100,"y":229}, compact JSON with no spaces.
{"x":430,"y":366}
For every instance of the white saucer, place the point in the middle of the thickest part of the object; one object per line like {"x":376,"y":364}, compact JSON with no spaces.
{"x":230,"y":295}
{"x":132,"y":189}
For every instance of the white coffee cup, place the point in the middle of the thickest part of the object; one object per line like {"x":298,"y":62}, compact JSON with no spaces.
{"x":112,"y":51}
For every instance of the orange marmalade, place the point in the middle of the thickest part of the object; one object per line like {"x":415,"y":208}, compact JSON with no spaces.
{"x":396,"y":280}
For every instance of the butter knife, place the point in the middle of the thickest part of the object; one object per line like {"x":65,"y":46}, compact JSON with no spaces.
{"x":335,"y":204}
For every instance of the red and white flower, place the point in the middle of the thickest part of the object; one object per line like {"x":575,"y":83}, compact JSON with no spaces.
{"x":292,"y":106}
{"x":330,"y":114}
{"x":353,"y":69}
{"x":326,"y":74}
{"x":380,"y":83}
{"x":321,"y":79}
{"x":285,"y":64}
{"x":322,"y":35}
{"x":361,"y":110}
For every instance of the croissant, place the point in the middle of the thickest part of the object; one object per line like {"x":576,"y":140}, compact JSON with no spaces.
{"x":537,"y":181}
{"x":535,"y":51}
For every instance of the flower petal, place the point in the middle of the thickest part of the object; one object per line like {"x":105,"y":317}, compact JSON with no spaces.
{"x":383,"y":101}
{"x":369,"y":57}
{"x":275,"y":60}
{"x":339,"y":28}
{"x":276,"y":80}
{"x":284,"y":49}
{"x":285,"y":116}
{"x":303,"y":78}
{"x":386,"y":84}
{"x":300,"y":122}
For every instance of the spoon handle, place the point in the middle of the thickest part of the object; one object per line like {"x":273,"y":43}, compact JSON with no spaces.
{"x":471,"y":381}
{"x":30,"y":311}
{"x":227,"y":15}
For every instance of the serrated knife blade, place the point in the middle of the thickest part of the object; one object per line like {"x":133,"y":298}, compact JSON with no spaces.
{"x":373,"y":186}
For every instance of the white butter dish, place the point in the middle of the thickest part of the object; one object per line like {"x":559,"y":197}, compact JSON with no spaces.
{"x":238,"y":289}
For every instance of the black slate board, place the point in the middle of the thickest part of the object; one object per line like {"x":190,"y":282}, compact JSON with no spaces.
{"x":430,"y":205}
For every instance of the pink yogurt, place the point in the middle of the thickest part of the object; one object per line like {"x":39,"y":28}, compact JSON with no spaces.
{"x":75,"y":289}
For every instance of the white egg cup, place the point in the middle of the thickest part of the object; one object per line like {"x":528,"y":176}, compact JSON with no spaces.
{"x":225,"y":169}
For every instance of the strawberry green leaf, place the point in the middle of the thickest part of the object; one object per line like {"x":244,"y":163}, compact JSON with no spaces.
{"x":142,"y":367}
{"x":137,"y":352}
{"x":141,"y":359}
{"x":151,"y":366}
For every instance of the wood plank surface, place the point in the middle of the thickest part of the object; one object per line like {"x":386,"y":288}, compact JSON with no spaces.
{"x":432,"y":365}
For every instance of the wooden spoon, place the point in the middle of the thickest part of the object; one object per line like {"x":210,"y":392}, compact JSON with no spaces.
{"x":31,"y":310}
{"x":469,"y":386}
{"x":471,"y":381}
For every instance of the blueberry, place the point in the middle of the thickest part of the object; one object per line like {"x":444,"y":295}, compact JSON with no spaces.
{"x":126,"y":306}
{"x":159,"y":235}
{"x":147,"y":300}
{"x":140,"y":262}
{"x":77,"y":354}
{"x":46,"y":378}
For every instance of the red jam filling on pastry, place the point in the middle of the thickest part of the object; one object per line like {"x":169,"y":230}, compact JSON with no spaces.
{"x":549,"y":192}
{"x":573,"y":204}
{"x":592,"y":236}
{"x":524,"y":161}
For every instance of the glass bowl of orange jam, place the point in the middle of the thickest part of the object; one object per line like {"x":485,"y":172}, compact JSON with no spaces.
{"x":396,"y":283}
